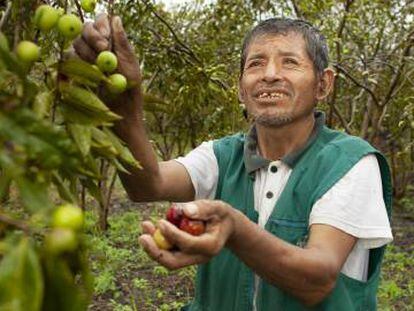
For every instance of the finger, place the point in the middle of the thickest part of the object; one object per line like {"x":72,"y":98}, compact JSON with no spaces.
{"x":120,"y":39}
{"x":94,"y":38}
{"x":171,"y":260}
{"x":206,"y":210}
{"x":84,"y":51}
{"x":148,"y":227}
{"x":206,"y":244}
{"x":102,"y":25}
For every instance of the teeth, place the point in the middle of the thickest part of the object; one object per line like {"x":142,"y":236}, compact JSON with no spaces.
{"x":272,"y":95}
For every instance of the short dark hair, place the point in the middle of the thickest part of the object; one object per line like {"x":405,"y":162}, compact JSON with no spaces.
{"x":315,"y":41}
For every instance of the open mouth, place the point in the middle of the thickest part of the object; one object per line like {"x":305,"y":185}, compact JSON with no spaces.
{"x":273,"y":95}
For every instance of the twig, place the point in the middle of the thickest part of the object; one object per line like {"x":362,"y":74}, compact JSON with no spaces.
{"x":397,"y":75}
{"x":15,"y":223}
{"x":177,"y":39}
{"x":347,"y":74}
{"x":6,"y":14}
{"x":110,"y":189}
{"x":79,"y":8}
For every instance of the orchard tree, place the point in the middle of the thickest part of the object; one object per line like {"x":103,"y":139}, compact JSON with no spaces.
{"x":55,"y":136}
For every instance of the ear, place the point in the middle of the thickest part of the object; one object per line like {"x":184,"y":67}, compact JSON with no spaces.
{"x":241,"y":93}
{"x":325,"y":84}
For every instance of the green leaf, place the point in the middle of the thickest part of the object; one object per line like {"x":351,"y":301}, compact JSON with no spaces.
{"x":82,"y":135}
{"x":42,"y":104}
{"x":124,"y":153}
{"x":85,"y":117}
{"x":11,"y":62}
{"x":93,"y":189}
{"x":63,"y":189}
{"x":5,"y":181}
{"x":84,"y":99}
{"x":34,"y":195}
{"x":21,"y":283}
{"x":4,"y":43}
{"x":69,"y":283}
{"x":77,"y":68}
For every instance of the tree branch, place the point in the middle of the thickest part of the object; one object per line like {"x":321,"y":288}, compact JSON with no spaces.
{"x":14,"y":222}
{"x":396,"y":77}
{"x":5,"y":15}
{"x":348,"y":75}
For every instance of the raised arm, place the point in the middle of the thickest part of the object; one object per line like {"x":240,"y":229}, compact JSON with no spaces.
{"x":156,"y":181}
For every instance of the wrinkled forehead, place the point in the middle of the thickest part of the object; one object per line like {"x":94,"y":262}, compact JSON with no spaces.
{"x":284,"y":42}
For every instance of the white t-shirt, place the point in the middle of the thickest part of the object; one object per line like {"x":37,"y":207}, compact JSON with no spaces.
{"x":354,"y":204}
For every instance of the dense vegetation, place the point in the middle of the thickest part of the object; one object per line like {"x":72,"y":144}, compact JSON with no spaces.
{"x":56,"y":143}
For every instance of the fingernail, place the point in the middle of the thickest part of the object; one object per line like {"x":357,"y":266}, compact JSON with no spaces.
{"x":117,"y":22}
{"x":191,"y":209}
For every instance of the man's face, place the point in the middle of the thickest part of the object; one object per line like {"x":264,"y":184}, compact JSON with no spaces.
{"x":278,"y":85}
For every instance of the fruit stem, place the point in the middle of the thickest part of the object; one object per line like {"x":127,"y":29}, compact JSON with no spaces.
{"x":78,"y":7}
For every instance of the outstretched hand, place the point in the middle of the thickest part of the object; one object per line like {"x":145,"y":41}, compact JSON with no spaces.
{"x":220,"y":221}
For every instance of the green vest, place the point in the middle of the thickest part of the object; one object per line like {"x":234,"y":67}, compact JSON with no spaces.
{"x":226,"y":284}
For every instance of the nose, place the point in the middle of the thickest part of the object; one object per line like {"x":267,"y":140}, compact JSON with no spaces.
{"x":271,"y":72}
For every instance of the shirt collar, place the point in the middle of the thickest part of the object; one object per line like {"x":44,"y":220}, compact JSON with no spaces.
{"x":254,"y":161}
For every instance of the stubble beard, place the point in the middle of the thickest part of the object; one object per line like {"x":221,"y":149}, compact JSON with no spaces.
{"x":281,"y":118}
{"x":272,"y":120}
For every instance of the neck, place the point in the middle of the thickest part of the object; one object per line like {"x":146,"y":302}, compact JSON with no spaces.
{"x":277,"y":142}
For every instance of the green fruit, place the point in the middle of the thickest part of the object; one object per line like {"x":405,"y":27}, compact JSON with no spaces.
{"x":107,"y":61}
{"x":27,"y":51}
{"x":61,"y":240}
{"x":118,"y":83}
{"x":4,"y":43}
{"x":70,"y":26}
{"x":88,"y":5}
{"x":68,"y":216}
{"x":46,"y":17}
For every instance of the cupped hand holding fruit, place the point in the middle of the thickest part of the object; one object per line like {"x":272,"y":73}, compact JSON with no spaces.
{"x":208,"y":226}
{"x":98,"y":37}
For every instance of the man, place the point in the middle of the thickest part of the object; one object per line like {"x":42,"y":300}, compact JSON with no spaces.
{"x":297,"y":214}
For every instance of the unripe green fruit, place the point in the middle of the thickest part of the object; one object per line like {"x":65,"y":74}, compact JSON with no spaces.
{"x":61,"y":240}
{"x":70,"y":26}
{"x":88,"y":5}
{"x":68,"y":216}
{"x":118,"y":83}
{"x":27,"y":51}
{"x":107,"y":61}
{"x":46,"y":17}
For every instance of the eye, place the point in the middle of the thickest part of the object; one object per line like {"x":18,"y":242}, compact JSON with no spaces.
{"x":290,"y":61}
{"x":254,"y":63}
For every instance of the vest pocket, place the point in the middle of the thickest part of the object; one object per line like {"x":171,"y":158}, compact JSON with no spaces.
{"x":292,"y":231}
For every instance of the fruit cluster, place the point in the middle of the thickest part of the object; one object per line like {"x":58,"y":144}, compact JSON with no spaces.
{"x":176,"y":216}
{"x":107,"y":62}
{"x":70,"y":26}
{"x":67,"y":220}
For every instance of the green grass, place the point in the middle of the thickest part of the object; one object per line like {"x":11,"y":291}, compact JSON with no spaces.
{"x":125,"y":277}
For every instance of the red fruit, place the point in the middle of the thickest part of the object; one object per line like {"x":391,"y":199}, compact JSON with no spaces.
{"x":174,"y":215}
{"x":191,"y":226}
